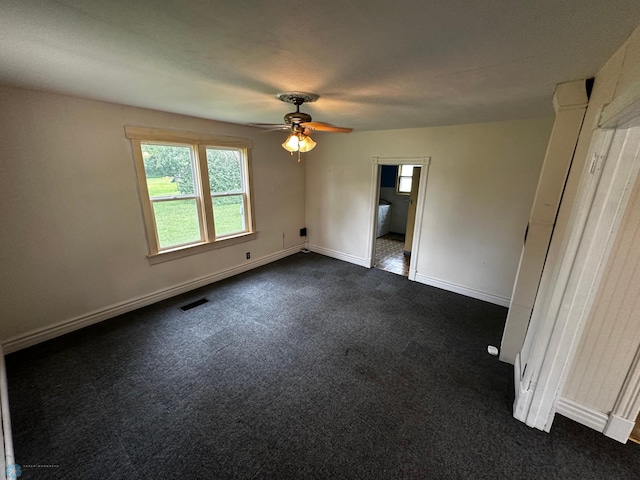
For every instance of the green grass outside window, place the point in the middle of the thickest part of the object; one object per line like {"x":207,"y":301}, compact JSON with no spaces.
{"x":176,"y":220}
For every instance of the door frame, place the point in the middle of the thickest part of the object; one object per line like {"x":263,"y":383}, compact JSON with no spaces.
{"x":376,"y":164}
{"x":558,"y":321}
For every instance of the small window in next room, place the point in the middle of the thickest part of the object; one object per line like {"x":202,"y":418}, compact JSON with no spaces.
{"x":195,"y":190}
{"x":405,"y":177}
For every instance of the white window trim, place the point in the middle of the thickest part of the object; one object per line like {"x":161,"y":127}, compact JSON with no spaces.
{"x":200,"y":141}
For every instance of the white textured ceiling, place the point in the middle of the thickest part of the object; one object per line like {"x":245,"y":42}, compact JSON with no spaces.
{"x":377,"y":64}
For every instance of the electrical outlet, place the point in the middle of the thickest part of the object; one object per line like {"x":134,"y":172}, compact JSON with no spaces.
{"x":248,"y":255}
{"x":303,"y":232}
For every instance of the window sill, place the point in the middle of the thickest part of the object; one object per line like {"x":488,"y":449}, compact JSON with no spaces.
{"x":181,"y":252}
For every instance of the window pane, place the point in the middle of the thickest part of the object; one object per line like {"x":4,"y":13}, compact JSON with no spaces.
{"x":169,"y":169}
{"x":225,"y":170}
{"x":228,"y":215}
{"x":405,"y":184}
{"x":406,"y":170}
{"x":177,"y":222}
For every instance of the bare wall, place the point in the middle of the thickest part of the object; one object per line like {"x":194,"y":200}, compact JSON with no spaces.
{"x":480,"y":185}
{"x":73,"y":239}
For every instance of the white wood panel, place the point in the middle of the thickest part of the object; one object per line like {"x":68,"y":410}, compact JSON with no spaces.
{"x":557,"y":162}
{"x":570,"y":102}
{"x":531,"y":265}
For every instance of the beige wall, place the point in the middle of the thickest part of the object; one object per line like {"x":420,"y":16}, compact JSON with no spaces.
{"x":480,"y":185}
{"x":610,"y":336}
{"x":73,"y":239}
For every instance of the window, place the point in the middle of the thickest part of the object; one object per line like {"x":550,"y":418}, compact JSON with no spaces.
{"x":405,"y":178}
{"x":195,"y":190}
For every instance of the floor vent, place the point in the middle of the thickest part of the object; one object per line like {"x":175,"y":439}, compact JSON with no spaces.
{"x":195,"y":304}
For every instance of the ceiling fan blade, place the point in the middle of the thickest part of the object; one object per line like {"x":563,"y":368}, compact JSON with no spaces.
{"x":325,"y":127}
{"x":271,"y":126}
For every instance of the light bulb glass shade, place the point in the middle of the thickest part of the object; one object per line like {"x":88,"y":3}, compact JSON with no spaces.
{"x":291,"y":143}
{"x":306,"y":144}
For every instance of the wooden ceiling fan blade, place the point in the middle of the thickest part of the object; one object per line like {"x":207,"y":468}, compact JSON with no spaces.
{"x":325,"y":127}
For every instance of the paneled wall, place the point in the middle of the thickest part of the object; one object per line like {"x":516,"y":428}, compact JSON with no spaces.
{"x":612,"y":332}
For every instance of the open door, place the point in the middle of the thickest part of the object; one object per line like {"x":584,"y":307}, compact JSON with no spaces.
{"x":411,"y":215}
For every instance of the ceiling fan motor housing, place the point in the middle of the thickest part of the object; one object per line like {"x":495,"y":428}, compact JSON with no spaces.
{"x":296,"y":117}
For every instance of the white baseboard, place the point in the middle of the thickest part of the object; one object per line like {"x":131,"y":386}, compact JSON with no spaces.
{"x":363,"y":262}
{"x":582,"y":414}
{"x":469,"y":292}
{"x":613,"y":426}
{"x":434,"y":282}
{"x":47,"y":333}
{"x":619,"y":428}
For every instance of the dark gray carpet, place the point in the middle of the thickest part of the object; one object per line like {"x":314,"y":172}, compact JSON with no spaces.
{"x":305,"y":368}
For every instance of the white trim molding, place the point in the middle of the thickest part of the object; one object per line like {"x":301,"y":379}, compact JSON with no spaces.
{"x":582,"y":414}
{"x":466,"y":291}
{"x":345,"y":257}
{"x":67,"y":326}
{"x":7,"y":459}
{"x":171,"y":134}
{"x":612,"y":425}
{"x":624,"y":111}
{"x":619,"y":428}
{"x":422,"y":161}
{"x":627,"y":407}
{"x":628,"y":404}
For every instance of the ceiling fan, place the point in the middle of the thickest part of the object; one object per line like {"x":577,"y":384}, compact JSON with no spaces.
{"x":300,"y":124}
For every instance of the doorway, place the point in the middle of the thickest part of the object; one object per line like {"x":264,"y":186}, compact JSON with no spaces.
{"x":580,"y":303}
{"x":397,"y":201}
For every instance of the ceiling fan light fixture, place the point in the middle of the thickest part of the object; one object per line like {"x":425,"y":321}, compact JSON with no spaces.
{"x":298,"y":142}
{"x":292,"y":143}
{"x":306,"y":143}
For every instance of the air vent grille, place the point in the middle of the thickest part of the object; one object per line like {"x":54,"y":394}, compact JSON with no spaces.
{"x":195,"y":304}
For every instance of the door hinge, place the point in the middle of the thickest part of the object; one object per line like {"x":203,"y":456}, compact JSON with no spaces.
{"x":595,"y":161}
